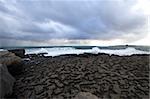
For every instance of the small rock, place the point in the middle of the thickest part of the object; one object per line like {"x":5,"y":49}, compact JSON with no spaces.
{"x":39,"y":89}
{"x":51,"y":87}
{"x":29,"y":78}
{"x":54,"y":76}
{"x":85,"y":95}
{"x":59,"y":84}
{"x":58,"y":97}
{"x":116,"y":88}
{"x":57,"y":91}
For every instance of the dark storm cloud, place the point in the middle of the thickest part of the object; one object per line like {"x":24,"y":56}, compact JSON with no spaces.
{"x":70,"y":19}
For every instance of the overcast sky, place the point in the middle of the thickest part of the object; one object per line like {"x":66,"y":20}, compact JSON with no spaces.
{"x":74,"y":22}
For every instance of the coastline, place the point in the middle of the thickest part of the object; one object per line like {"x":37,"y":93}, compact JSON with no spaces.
{"x":106,"y":76}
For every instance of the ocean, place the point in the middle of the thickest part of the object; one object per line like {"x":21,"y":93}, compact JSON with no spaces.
{"x":120,"y":50}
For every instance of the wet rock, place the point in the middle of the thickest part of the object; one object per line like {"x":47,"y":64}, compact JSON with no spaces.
{"x":59,"y":97}
{"x":6,"y":81}
{"x":66,"y":76}
{"x":85,"y":95}
{"x":51,"y":87}
{"x":30,"y":78}
{"x":58,"y":83}
{"x":13,"y":62}
{"x":116,"y":88}
{"x":57,"y":91}
{"x":8,"y":58}
{"x":18,"y":52}
{"x":54,"y":76}
{"x":39,"y":89}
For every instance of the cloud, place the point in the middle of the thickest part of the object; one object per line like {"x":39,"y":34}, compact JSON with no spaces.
{"x":37,"y":20}
{"x":59,"y":30}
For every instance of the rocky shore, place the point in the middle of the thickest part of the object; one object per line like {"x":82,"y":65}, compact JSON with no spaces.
{"x":10,"y":64}
{"x":85,"y":76}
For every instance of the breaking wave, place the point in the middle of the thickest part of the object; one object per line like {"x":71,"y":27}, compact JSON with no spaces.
{"x":56,"y":51}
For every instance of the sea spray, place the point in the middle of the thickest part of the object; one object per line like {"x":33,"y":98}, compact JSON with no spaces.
{"x":56,"y":51}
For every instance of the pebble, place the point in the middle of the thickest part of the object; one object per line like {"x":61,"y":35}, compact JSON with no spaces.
{"x":39,"y":89}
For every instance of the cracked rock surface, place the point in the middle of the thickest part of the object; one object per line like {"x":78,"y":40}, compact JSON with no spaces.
{"x":63,"y":77}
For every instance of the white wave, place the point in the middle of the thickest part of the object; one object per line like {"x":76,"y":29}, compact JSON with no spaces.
{"x":95,"y":50}
{"x":123,"y":52}
{"x":63,"y":51}
{"x":2,"y":50}
{"x":36,"y":51}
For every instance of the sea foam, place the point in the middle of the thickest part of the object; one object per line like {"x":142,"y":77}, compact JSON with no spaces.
{"x":56,"y":51}
{"x":1,"y":49}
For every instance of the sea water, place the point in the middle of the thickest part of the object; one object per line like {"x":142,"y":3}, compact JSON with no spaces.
{"x":64,"y":50}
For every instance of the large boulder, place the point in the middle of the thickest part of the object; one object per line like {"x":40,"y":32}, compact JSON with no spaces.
{"x":12,"y":62}
{"x":6,"y":81}
{"x":18,"y":52}
{"x":85,"y":95}
{"x":8,"y":58}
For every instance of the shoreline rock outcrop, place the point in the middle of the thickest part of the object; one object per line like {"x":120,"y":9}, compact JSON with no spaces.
{"x":18,"y":52}
{"x":9,"y":65}
{"x":63,"y":77}
{"x":13,"y":62}
{"x":8,"y":58}
{"x":6,"y":81}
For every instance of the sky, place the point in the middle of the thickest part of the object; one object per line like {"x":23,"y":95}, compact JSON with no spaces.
{"x":74,"y":22}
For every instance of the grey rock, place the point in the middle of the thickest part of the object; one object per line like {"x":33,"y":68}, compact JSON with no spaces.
{"x":57,"y":91}
{"x":8,"y":58}
{"x":51,"y":87}
{"x":85,"y":95}
{"x":59,"y":97}
{"x":54,"y":76}
{"x":39,"y":89}
{"x":18,"y":52}
{"x":6,"y":81}
{"x":58,"y":83}
{"x":12,"y":62}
